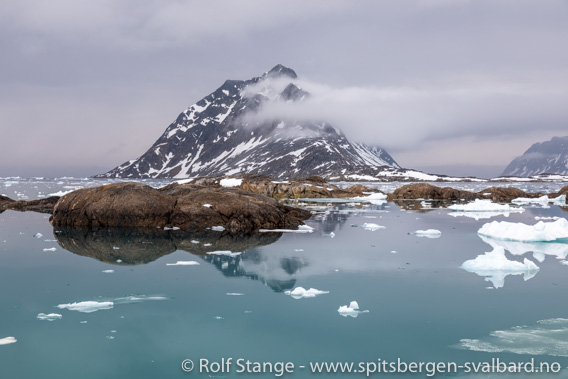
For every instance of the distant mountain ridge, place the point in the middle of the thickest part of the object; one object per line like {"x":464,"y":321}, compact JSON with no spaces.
{"x":549,"y":157}
{"x":218,"y":137}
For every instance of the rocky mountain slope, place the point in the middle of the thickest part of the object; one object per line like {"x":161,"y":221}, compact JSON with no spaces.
{"x":220,"y":135}
{"x":549,"y":157}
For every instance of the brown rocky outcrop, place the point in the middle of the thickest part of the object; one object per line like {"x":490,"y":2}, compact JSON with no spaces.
{"x":429,"y":192}
{"x":42,"y":205}
{"x":187,"y":206}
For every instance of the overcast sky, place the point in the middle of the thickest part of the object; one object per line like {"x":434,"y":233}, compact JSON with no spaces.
{"x":446,"y":86}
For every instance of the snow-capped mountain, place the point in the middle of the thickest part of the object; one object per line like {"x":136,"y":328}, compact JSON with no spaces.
{"x":544,"y":157}
{"x":222,"y":135}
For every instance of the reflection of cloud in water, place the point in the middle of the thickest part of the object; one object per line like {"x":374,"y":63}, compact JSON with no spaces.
{"x":539,"y":249}
{"x":547,"y":337}
{"x":495,"y":267}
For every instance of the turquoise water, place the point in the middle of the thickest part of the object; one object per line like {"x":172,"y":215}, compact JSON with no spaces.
{"x":421,"y":305}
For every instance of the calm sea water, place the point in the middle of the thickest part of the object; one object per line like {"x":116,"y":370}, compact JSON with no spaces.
{"x":422,"y":307}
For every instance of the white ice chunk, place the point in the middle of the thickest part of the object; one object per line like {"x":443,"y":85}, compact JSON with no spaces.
{"x":235,"y":294}
{"x":495,"y":266}
{"x":172,"y":228}
{"x":230,"y":182}
{"x":351,"y":310}
{"x":560,"y":200}
{"x":301,"y":229}
{"x":87,"y":306}
{"x":207,"y":205}
{"x":302,"y":293}
{"x":539,"y":249}
{"x":484,"y":206}
{"x":7,"y":340}
{"x":217,"y":228}
{"x":375,"y":198}
{"x":544,"y":232}
{"x":428,"y":233}
{"x":183,"y":263}
{"x":371,"y":226}
{"x":49,"y":317}
{"x":50,"y":249}
{"x":60,"y":193}
{"x":108,"y":271}
{"x":38,"y":235}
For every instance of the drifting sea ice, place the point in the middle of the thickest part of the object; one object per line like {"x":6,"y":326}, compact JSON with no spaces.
{"x":38,"y":235}
{"x":217,"y":228}
{"x":547,"y":337}
{"x":49,"y":317}
{"x":50,"y":249}
{"x":87,"y":306}
{"x":375,"y":198}
{"x":7,"y":340}
{"x":428,"y":233}
{"x":541,"y":231}
{"x":225,"y":252}
{"x":183,"y":263}
{"x":351,"y":310}
{"x":108,"y":271}
{"x":543,"y":200}
{"x":302,"y":293}
{"x":479,"y":205}
{"x":495,"y":267}
{"x":371,"y":226}
{"x":301,"y":229}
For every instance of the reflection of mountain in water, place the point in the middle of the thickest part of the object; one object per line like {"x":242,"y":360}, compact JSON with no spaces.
{"x":239,"y":265}
{"x":140,"y":246}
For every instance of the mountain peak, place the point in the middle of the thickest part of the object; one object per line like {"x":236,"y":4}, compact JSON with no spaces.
{"x":280,"y":70}
{"x":549,"y":157}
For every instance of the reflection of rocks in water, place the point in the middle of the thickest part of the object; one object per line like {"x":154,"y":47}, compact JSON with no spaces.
{"x":236,"y":266}
{"x":335,"y":218}
{"x":421,"y":206}
{"x":139,"y":246}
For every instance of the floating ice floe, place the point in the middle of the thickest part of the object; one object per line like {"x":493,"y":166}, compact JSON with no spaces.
{"x":495,"y":267}
{"x":351,"y":310}
{"x":50,"y":249}
{"x":428,"y":233}
{"x":543,"y":200}
{"x":539,"y":249}
{"x":482,"y":209}
{"x":87,"y":306}
{"x":49,"y":317}
{"x":7,"y":340}
{"x":541,"y":231}
{"x":225,"y":252}
{"x":371,"y":226}
{"x":546,"y":337}
{"x":230,"y":182}
{"x":108,"y":271}
{"x":544,"y":218}
{"x":301,"y":229}
{"x":217,"y":228}
{"x":479,"y":205}
{"x":235,"y":294}
{"x":302,"y":293}
{"x":195,"y":242}
{"x":172,"y":228}
{"x":376,"y":198}
{"x":38,"y":235}
{"x":183,"y":263}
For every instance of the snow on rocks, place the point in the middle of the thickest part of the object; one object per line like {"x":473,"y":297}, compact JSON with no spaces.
{"x":540,"y":232}
{"x":495,"y":266}
{"x":302,"y":293}
{"x":230,"y":182}
{"x":351,"y":310}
